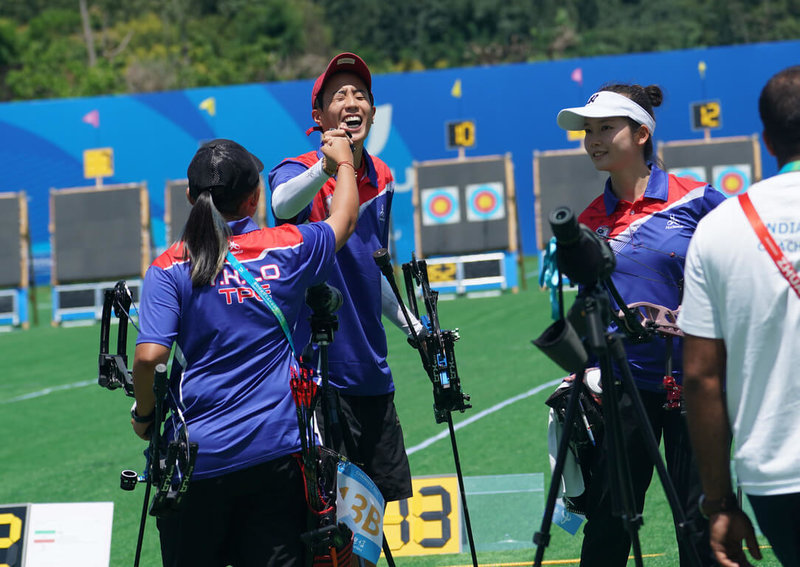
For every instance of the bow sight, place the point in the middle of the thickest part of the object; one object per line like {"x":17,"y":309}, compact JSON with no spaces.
{"x":436,"y":347}
{"x":437,"y":354}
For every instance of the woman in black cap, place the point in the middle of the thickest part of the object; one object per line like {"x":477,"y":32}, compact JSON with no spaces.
{"x":245,"y":505}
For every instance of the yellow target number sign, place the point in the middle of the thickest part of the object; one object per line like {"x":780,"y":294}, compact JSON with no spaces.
{"x":444,"y":272}
{"x":706,"y":114}
{"x":429,"y":522}
{"x":98,"y":162}
{"x":461,"y":134}
{"x":12,"y":520}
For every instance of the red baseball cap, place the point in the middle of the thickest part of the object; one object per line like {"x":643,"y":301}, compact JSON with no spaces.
{"x":349,"y":62}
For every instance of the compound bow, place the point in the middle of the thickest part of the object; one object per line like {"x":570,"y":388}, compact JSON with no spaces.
{"x":170,"y":469}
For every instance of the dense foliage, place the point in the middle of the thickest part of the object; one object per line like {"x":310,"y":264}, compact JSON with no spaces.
{"x":62,"y":48}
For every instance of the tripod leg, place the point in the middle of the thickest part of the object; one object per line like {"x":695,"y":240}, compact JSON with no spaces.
{"x":542,"y":537}
{"x":620,"y":481}
{"x":684,"y":528}
{"x":142,"y":522}
{"x":387,"y":552}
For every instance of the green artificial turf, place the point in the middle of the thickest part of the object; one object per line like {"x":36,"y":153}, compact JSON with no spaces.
{"x":70,"y":440}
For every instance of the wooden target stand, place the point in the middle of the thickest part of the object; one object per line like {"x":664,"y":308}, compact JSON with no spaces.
{"x":16,"y":291}
{"x":99,"y":235}
{"x":468,"y":256}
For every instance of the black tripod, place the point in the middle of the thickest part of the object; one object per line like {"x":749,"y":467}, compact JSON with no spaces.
{"x":610,"y":351}
{"x":324,"y":300}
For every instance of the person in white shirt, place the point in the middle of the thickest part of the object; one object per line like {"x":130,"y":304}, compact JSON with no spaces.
{"x":741,"y":318}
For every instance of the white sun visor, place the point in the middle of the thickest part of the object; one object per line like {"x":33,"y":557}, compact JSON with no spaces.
{"x":605,"y":104}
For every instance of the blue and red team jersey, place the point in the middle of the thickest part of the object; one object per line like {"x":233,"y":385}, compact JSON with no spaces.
{"x":234,"y":392}
{"x":650,"y":238}
{"x":357,"y":356}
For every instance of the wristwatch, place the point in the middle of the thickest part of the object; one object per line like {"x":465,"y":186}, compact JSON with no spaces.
{"x":142,"y":418}
{"x":708,"y":508}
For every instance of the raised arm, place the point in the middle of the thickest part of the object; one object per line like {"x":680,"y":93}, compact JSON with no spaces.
{"x":292,"y":196}
{"x":344,"y":202}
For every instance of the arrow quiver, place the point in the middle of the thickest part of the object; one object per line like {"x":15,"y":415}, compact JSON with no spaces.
{"x":330,"y":541}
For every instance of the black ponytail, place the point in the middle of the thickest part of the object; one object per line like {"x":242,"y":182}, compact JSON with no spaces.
{"x":222,"y":176}
{"x":205,"y":238}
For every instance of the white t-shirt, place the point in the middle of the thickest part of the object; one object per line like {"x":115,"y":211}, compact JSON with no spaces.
{"x":735,"y":292}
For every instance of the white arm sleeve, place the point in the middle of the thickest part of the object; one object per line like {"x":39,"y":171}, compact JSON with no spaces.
{"x":391,"y":310}
{"x":294,"y":195}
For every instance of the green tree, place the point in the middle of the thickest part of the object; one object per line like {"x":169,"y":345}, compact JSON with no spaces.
{"x":57,"y":48}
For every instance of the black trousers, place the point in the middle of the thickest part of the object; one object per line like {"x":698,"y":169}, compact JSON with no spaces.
{"x":373,"y":429}
{"x":605,"y":540}
{"x":778,"y":517}
{"x":248,"y":518}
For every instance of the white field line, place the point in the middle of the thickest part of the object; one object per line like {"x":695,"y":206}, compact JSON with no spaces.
{"x":446,"y":433}
{"x":426,"y":443}
{"x":46,"y":391}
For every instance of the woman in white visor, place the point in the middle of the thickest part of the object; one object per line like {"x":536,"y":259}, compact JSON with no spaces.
{"x":648,"y":217}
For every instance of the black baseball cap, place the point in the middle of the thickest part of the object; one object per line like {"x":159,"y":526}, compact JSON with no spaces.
{"x":225,"y":166}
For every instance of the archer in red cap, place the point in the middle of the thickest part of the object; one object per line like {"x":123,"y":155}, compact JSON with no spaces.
{"x":343,"y":106}
{"x":349,"y":62}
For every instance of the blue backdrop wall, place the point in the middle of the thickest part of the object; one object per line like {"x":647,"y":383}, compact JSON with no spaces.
{"x":154,"y":136}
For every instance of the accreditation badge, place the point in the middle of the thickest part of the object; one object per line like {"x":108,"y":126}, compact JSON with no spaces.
{"x":360,"y":506}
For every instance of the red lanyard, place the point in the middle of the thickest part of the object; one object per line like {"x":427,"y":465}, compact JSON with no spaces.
{"x":784,"y":265}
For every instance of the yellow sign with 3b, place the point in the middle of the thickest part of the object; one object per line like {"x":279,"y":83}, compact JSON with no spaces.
{"x":429,"y":522}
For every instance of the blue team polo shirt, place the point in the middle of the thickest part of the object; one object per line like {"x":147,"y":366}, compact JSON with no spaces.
{"x":357,"y":356}
{"x":650,"y":237}
{"x":235,"y":390}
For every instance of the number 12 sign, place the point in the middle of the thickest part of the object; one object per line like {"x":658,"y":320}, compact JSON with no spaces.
{"x":429,"y":522}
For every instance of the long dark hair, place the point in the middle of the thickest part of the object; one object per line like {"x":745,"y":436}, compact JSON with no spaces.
{"x":205,"y":239}
{"x":222,"y":176}
{"x":206,"y":234}
{"x":647,"y":97}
